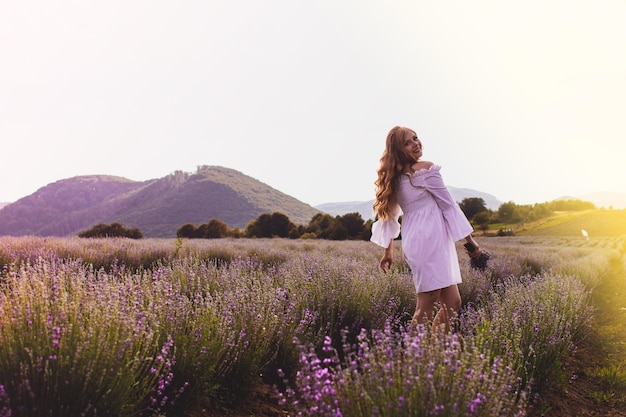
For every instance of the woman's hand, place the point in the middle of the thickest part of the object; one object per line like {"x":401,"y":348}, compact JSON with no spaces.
{"x":385,"y":262}
{"x":387,"y":259}
{"x":477,"y":251}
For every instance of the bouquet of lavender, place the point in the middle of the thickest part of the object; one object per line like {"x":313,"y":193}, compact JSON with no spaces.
{"x":478,"y":257}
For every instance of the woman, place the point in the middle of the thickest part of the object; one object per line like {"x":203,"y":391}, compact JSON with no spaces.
{"x":431,"y":224}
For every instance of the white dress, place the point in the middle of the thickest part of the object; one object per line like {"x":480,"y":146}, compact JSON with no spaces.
{"x":431,"y":224}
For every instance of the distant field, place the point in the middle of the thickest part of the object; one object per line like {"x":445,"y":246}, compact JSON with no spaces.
{"x":595,"y":222}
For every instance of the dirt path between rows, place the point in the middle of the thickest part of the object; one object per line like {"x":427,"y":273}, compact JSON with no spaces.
{"x":593,"y":382}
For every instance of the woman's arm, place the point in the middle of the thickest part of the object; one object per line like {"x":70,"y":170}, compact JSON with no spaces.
{"x":384,"y":231}
{"x":476,"y":252}
{"x":456,"y":221}
{"x":387,"y":259}
{"x":470,"y":239}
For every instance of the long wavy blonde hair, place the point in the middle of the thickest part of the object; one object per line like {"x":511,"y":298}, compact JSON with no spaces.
{"x":392,"y":163}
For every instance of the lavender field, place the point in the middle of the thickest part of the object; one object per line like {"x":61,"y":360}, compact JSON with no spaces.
{"x":117,"y":327}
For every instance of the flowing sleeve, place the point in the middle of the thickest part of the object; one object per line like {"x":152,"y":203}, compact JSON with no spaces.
{"x":456,"y":222}
{"x":384,"y":231}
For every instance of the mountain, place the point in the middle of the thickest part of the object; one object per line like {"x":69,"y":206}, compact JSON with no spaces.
{"x":459,"y":194}
{"x":157,"y":207}
{"x":365,"y":207}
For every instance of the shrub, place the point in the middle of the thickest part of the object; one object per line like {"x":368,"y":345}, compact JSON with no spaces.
{"x":406,"y":373}
{"x":533,"y":324}
{"x":271,"y":225}
{"x":74,"y":343}
{"x":111,"y":230}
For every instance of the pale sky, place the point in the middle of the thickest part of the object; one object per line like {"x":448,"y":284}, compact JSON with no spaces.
{"x":525,"y":100}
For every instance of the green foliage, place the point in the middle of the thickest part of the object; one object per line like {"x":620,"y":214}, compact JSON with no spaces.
{"x":570,"y":205}
{"x":482,"y":217}
{"x":613,"y":376}
{"x":354,"y":225}
{"x":271,"y":225}
{"x":111,"y":230}
{"x":595,"y":222}
{"x":217,"y":229}
{"x":322,"y":226}
{"x":472,"y":206}
{"x":612,"y":381}
{"x":214,"y":229}
{"x":187,"y":230}
{"x":507,"y":212}
{"x":350,"y":226}
{"x":510,"y":212}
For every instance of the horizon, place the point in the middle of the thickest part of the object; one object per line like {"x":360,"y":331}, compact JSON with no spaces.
{"x":523,"y":100}
{"x":612,"y":199}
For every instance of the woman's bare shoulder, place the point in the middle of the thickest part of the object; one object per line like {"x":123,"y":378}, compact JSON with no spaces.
{"x":418,"y":166}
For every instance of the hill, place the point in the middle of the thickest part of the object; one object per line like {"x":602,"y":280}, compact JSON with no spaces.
{"x":615,"y":200}
{"x":365,"y":207}
{"x":157,"y":207}
{"x":595,"y":222}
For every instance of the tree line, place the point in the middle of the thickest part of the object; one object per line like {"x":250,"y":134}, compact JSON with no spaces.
{"x":350,"y":226}
{"x":510,"y":213}
{"x":111,"y":230}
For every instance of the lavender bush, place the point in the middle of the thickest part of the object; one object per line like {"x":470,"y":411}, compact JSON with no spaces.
{"x":78,"y":343}
{"x":228,"y":324}
{"x":409,"y":373}
{"x":125,"y":327}
{"x":532,"y":325}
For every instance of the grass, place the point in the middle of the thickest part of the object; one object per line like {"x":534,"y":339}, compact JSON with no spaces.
{"x":591,"y":379}
{"x":598,"y":223}
{"x":610,"y":316}
{"x":612,"y":380}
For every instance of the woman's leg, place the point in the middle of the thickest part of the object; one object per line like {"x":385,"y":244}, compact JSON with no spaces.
{"x":425,"y":308}
{"x":450,"y":305}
